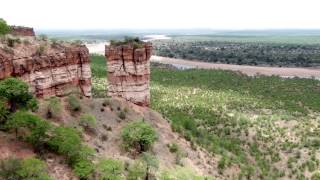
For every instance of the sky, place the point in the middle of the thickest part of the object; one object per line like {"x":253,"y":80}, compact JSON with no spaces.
{"x":163,"y":14}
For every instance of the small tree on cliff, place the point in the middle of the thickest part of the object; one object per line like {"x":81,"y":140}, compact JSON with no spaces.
{"x":4,"y":28}
{"x":16,"y":93}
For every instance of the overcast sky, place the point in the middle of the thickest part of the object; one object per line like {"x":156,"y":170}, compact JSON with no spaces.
{"x":162,"y":14}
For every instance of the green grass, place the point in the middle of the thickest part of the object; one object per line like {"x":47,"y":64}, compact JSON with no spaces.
{"x":99,"y":74}
{"x":259,"y":124}
{"x":238,"y":117}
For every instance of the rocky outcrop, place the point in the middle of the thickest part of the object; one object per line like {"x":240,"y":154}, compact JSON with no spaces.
{"x":22,"y":31}
{"x":51,"y":74}
{"x":129,"y":72}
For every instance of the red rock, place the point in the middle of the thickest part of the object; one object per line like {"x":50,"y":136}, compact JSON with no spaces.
{"x":53,"y":74}
{"x":129,"y":72}
{"x":22,"y":31}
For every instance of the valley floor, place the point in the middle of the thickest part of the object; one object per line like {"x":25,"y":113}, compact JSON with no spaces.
{"x":248,"y":70}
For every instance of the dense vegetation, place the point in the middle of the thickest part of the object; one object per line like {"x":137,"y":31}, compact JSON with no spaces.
{"x":240,"y":52}
{"x":99,"y":73}
{"x":4,"y":27}
{"x":268,"y":126}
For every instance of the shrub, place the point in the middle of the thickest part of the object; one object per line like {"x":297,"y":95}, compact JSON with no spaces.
{"x":152,"y":163}
{"x":41,"y":50}
{"x":137,"y":170}
{"x":74,"y":103}
{"x":54,"y":107}
{"x":106,"y":102}
{"x":65,"y":141}
{"x":32,"y":104}
{"x":9,"y":168}
{"x":110,"y":169}
{"x":315,"y":176}
{"x":122,"y":115}
{"x":16,"y":92}
{"x":4,"y":27}
{"x":4,"y":112}
{"x":173,"y":148}
{"x":138,"y":135}
{"x":32,"y":168}
{"x":83,"y":169}
{"x":11,"y":42}
{"x":88,"y":122}
{"x":36,"y":126}
{"x":29,"y":169}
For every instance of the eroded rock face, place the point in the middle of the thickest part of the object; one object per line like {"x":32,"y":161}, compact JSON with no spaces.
{"x":129,"y":72}
{"x":51,"y":74}
{"x":22,"y":31}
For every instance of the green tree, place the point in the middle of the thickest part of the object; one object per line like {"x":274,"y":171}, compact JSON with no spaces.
{"x":16,"y":92}
{"x":110,"y":169}
{"x":138,"y":135}
{"x":36,"y":126}
{"x":65,"y":141}
{"x":4,"y":28}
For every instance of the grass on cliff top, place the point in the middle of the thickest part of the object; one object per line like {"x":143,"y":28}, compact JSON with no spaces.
{"x":266,"y":126}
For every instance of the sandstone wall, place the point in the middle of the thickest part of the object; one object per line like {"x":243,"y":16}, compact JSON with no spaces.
{"x":53,"y":73}
{"x":22,"y":31}
{"x":129,"y":72}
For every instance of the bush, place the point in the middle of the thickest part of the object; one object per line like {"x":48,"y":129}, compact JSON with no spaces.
{"x":74,"y":103}
{"x":110,"y":169}
{"x":16,"y":92}
{"x":9,"y":168}
{"x":88,"y":122}
{"x":32,"y":168}
{"x":315,"y":176}
{"x":54,"y":108}
{"x":152,"y":163}
{"x":4,"y":27}
{"x":83,"y":169}
{"x":4,"y":112}
{"x":138,"y":135}
{"x":173,"y":148}
{"x":122,"y":115}
{"x":65,"y":141}
{"x":29,"y":169}
{"x":137,"y":170}
{"x":41,"y":50}
{"x":36,"y":126}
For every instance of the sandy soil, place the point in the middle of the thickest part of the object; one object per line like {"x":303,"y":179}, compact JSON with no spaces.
{"x":249,"y":70}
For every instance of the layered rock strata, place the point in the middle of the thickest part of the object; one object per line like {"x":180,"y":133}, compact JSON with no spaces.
{"x":129,"y":72}
{"x":50,"y":74}
{"x":22,"y":31}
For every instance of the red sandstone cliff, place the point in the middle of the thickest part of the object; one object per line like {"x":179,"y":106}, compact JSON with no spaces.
{"x":54,"y":72}
{"x":22,"y":31}
{"x":129,"y":72}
